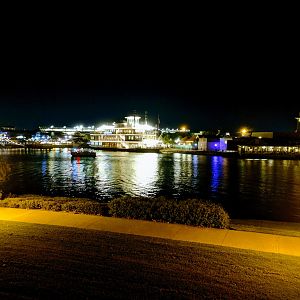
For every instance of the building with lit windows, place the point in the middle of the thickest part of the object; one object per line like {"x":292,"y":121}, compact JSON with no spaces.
{"x":127,"y":135}
{"x":270,"y":144}
{"x":67,"y":130}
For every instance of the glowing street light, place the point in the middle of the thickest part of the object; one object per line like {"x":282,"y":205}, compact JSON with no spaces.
{"x":244,"y":131}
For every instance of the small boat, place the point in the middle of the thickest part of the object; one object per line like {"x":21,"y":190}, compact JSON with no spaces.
{"x":83,"y":153}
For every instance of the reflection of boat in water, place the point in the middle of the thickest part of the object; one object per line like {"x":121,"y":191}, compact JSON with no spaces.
{"x":83,"y":153}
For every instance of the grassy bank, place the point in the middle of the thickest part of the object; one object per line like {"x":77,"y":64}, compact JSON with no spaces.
{"x":52,"y":262}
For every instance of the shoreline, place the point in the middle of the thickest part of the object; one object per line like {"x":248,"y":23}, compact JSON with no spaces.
{"x":229,"y":154}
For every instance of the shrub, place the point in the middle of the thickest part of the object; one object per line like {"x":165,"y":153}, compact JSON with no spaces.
{"x":128,"y":207}
{"x":190,"y":212}
{"x":85,"y":207}
{"x":75,"y":205}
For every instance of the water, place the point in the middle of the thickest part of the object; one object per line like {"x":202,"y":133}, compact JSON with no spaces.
{"x":257,"y":189}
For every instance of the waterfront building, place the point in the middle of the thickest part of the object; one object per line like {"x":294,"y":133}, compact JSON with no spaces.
{"x":7,"y":128}
{"x":67,"y":130}
{"x":127,"y":134}
{"x":278,"y":144}
{"x":177,"y":130}
{"x":213,"y":143}
{"x":187,"y":143}
{"x":269,"y":150}
{"x":3,"y":138}
{"x":202,"y":144}
{"x":262,"y":134}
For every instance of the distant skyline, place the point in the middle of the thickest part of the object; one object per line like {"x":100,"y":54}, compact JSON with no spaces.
{"x":201,"y":105}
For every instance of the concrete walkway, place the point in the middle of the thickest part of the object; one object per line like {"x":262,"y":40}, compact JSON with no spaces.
{"x":222,"y":237}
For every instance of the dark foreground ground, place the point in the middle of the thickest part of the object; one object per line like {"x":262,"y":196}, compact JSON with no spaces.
{"x":51,"y":262}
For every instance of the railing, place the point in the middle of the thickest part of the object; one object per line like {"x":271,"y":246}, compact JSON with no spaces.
{"x":6,"y":142}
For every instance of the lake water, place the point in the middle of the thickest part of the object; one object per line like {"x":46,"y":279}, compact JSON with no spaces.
{"x":256,"y":189}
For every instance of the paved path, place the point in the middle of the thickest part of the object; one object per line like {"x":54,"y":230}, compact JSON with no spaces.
{"x":222,"y":237}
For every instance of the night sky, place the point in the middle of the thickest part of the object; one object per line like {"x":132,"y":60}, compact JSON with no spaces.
{"x":201,"y":104}
{"x":221,"y":78}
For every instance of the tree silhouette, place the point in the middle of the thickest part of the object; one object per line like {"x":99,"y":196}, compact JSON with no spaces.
{"x":4,"y":171}
{"x":80,"y":138}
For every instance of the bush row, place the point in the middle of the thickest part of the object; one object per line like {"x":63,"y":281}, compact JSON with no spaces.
{"x":190,"y":212}
{"x":84,"y":206}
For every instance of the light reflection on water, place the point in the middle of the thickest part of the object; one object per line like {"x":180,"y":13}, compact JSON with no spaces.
{"x":263,"y":189}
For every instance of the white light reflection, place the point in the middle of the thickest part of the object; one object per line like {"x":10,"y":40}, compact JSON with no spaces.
{"x":145,"y":169}
{"x":105,"y":171}
{"x":182,"y":169}
{"x":195,"y":165}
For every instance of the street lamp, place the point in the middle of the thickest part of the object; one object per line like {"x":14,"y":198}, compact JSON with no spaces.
{"x":244,"y":131}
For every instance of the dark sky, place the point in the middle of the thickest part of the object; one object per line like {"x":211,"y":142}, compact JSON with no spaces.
{"x":201,"y":103}
{"x":205,"y":76}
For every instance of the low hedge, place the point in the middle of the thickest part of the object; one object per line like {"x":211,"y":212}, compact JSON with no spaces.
{"x":76,"y":205}
{"x":190,"y":212}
